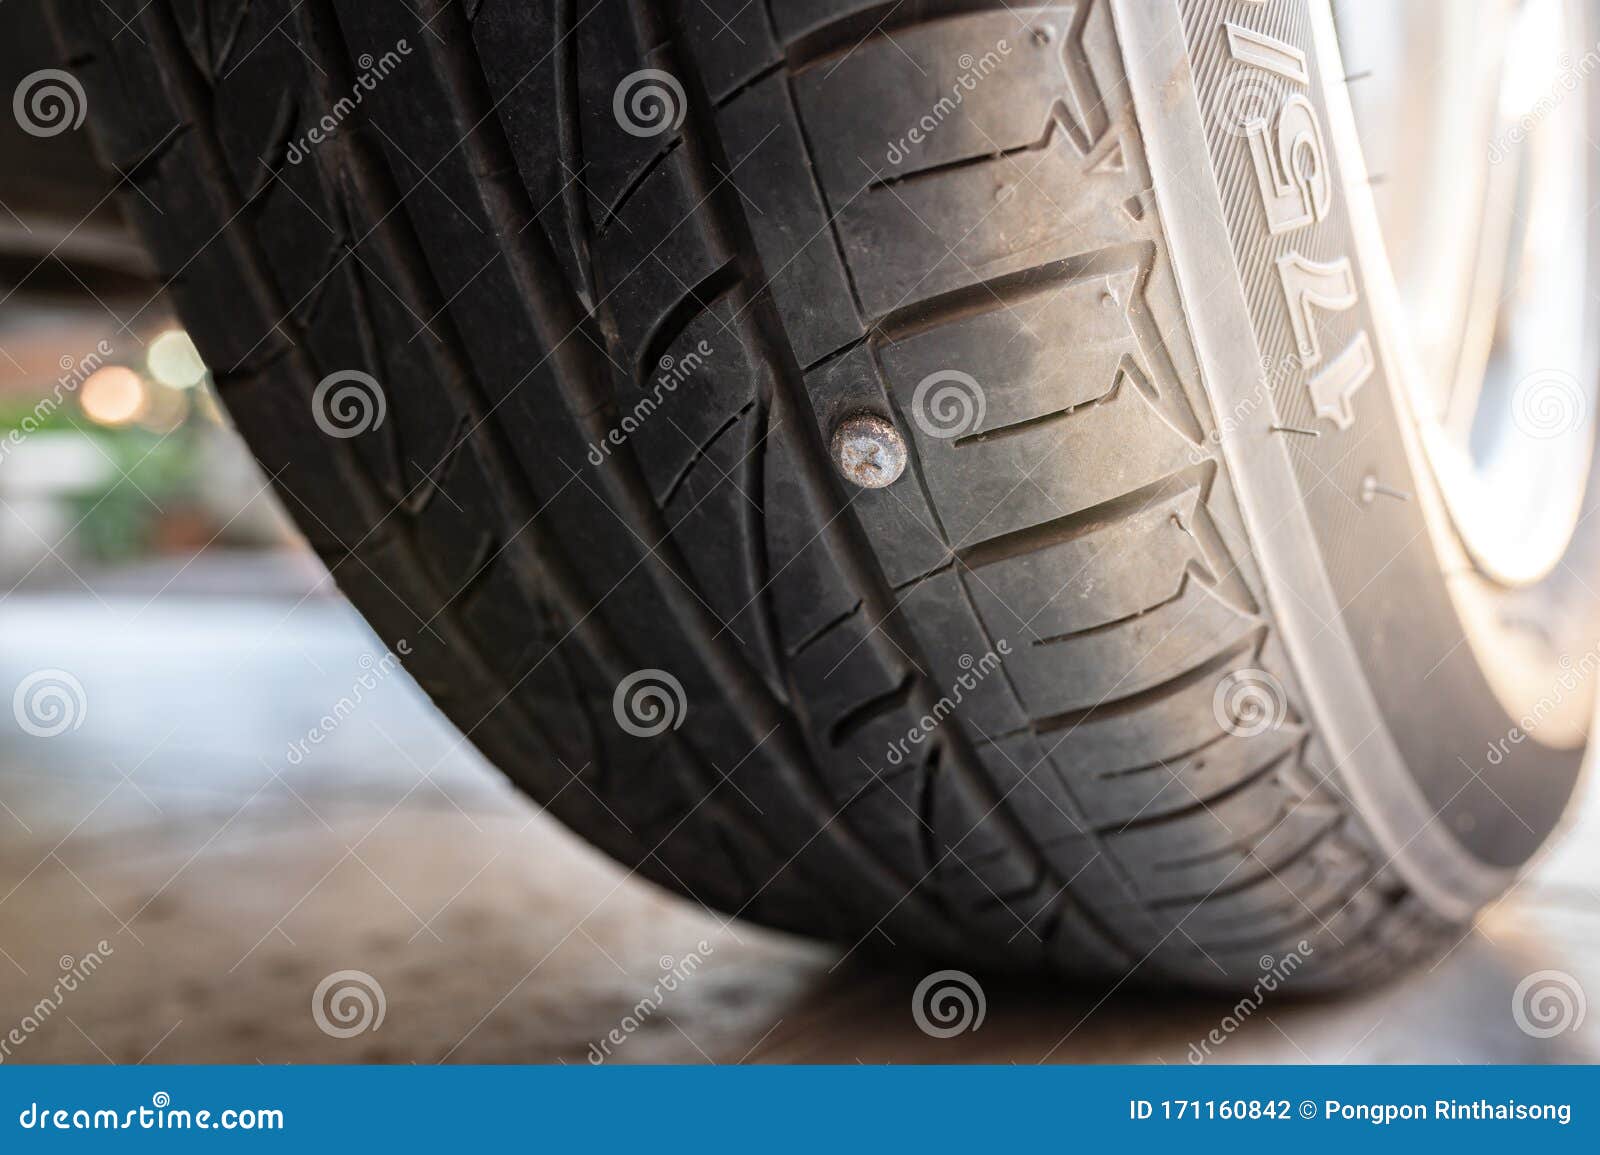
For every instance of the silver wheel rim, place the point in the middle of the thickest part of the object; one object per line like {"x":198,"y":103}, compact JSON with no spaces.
{"x":1475,"y":126}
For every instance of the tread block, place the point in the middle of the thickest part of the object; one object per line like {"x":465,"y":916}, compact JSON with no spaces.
{"x":1065,"y":462}
{"x":1041,"y":797}
{"x":255,"y":132}
{"x":968,"y":143}
{"x":957,"y":229}
{"x":1063,"y":578}
{"x":713,"y":497}
{"x":216,"y":33}
{"x":1311,"y":886}
{"x":457,"y":510}
{"x":522,"y":50}
{"x":655,"y":266}
{"x":732,"y":41}
{"x":858,"y":706}
{"x":1056,"y":675}
{"x":856,"y":701}
{"x":354,"y":327}
{"x":683,"y":406}
{"x":806,"y":588}
{"x":915,"y":97}
{"x":1049,"y":809}
{"x":788,"y":221}
{"x":966,"y":666}
{"x":882,"y":811}
{"x":1173,"y":784}
{"x":1050,"y":348}
{"x":800,"y":17}
{"x":606,"y":53}
{"x":981,"y":861}
{"x":1230,"y":841}
{"x":1127,"y":733}
{"x":275,"y":402}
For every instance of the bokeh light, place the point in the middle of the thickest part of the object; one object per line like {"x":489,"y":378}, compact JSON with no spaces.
{"x":174,"y":361}
{"x":114,"y":395}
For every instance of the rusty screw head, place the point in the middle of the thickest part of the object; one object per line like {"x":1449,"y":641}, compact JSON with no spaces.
{"x":869,"y":450}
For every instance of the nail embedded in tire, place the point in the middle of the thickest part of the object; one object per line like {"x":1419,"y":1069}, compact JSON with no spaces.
{"x":1371,"y":488}
{"x":869,"y":450}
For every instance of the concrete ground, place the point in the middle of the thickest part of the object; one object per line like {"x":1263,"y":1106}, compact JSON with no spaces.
{"x":228,"y":878}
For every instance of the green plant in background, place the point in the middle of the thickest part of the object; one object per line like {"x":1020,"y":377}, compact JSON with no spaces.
{"x":121,"y":510}
{"x":155,"y":474}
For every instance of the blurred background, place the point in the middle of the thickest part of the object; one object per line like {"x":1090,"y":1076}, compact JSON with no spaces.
{"x":220,"y":796}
